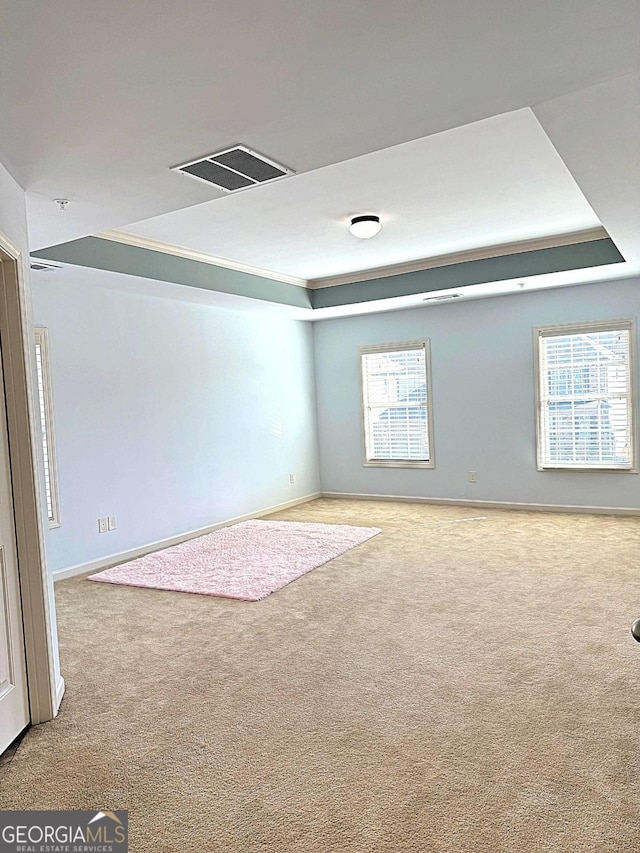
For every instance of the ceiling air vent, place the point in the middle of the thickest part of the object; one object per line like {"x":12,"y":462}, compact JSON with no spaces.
{"x":444,"y":298}
{"x":233,"y":169}
{"x":36,"y":265}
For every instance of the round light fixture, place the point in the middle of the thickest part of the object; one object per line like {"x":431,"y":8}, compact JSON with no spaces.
{"x":365,"y":226}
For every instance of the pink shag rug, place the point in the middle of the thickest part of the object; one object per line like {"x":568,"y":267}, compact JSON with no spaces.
{"x":248,"y":560}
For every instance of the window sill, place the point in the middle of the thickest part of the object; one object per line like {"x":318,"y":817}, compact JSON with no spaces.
{"x":375,"y":463}
{"x":588,"y":470}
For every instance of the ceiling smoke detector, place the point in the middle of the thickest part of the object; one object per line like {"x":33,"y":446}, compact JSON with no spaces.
{"x":365,"y":227}
{"x":233,"y":169}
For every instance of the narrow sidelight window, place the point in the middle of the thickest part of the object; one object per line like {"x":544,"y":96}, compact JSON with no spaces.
{"x":46,"y":424}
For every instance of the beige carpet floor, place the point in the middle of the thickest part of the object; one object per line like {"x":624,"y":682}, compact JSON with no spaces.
{"x":446,"y":686}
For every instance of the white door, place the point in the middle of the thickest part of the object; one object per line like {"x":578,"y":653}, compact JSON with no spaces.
{"x":14,"y":706}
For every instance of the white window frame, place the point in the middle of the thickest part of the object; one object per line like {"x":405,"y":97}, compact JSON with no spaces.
{"x":540,"y":332}
{"x":397,"y":347}
{"x":45,"y":409}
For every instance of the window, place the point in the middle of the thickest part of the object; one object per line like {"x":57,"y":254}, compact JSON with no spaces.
{"x":46,"y":425}
{"x":586,"y":396}
{"x":396,"y":404}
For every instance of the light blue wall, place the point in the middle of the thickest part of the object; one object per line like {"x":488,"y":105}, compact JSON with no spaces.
{"x":484,"y":420}
{"x":168,"y":413}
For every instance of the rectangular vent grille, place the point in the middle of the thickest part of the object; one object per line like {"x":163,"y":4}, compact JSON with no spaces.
{"x":210,"y":172}
{"x":233,"y":169}
{"x":36,"y":265}
{"x":444,"y":298}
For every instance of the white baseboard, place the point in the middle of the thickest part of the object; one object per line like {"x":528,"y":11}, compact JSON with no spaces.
{"x":527,"y":507}
{"x":125,"y":556}
{"x":59,"y":692}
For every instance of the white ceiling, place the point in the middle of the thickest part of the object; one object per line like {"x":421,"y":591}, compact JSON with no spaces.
{"x":98,"y":101}
{"x":493,"y":182}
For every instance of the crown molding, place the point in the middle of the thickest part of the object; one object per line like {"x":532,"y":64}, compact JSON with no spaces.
{"x":361,"y":275}
{"x":499,"y":250}
{"x":193,"y":255}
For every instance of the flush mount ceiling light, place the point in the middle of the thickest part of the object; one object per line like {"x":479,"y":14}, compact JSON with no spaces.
{"x":365,"y":226}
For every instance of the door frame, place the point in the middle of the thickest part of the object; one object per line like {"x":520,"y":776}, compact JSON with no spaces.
{"x":45,"y":685}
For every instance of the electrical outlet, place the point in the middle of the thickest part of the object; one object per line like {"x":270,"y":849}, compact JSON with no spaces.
{"x":292,"y":479}
{"x":102,"y":525}
{"x":473,"y":477}
{"x":111,"y":522}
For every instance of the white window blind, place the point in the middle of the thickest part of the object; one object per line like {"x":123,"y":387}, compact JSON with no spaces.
{"x":586,"y":396}
{"x":46,"y":426}
{"x":396,"y":401}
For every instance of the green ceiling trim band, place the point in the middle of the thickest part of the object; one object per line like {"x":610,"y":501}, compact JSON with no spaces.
{"x":147,"y":263}
{"x":132,"y":260}
{"x":592,"y":253}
